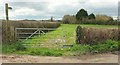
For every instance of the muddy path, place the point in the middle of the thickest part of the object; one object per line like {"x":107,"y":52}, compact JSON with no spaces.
{"x":99,"y":58}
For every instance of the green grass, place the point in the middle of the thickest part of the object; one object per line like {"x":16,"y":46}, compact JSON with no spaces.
{"x":55,"y":37}
{"x":10,"y":48}
{"x":50,"y":47}
{"x":108,"y":45}
{"x":77,"y":49}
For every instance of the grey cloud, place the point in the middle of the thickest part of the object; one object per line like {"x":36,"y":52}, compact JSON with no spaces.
{"x":108,"y":10}
{"x":31,"y":17}
{"x":62,"y":10}
{"x":33,"y":5}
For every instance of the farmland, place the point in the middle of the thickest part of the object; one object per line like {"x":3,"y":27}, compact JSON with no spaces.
{"x":59,"y":33}
{"x":53,"y":49}
{"x":52,"y":52}
{"x":67,"y":30}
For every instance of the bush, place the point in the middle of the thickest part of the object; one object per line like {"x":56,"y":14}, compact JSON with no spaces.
{"x":68,"y":19}
{"x":103,"y":18}
{"x":95,"y":35}
{"x":79,"y":34}
{"x":99,"y":22}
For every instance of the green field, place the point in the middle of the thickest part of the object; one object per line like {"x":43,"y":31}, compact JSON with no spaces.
{"x":66,"y":32}
{"x":46,"y":46}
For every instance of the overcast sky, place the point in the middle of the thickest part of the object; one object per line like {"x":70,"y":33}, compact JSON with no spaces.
{"x":44,"y":9}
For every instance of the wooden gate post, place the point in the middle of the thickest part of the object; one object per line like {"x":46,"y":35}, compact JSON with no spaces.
{"x":12,"y":34}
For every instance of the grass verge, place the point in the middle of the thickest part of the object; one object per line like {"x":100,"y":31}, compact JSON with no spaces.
{"x":77,"y":49}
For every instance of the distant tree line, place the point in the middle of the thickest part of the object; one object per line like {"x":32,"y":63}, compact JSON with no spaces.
{"x":69,"y":19}
{"x":83,"y":17}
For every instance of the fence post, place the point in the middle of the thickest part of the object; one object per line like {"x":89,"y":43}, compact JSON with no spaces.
{"x":39,"y":32}
{"x":12,"y":34}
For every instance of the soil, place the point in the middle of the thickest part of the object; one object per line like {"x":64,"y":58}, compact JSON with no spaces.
{"x":99,"y":58}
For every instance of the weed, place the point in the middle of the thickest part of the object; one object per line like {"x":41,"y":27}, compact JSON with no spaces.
{"x":12,"y":47}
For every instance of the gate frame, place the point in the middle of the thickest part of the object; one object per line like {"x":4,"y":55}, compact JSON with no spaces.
{"x":39,"y":30}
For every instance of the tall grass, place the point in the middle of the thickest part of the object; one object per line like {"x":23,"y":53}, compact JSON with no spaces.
{"x":12,"y":48}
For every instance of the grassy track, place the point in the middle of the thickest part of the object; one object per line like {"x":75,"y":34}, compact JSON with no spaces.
{"x":65,"y":33}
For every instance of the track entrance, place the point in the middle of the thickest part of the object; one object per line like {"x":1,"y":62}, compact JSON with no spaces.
{"x":43,"y":37}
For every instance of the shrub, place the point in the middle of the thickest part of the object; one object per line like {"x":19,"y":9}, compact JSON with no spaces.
{"x":103,"y":18}
{"x":91,"y":16}
{"x":79,"y":34}
{"x":95,"y":35}
{"x":99,"y":22}
{"x":68,"y":19}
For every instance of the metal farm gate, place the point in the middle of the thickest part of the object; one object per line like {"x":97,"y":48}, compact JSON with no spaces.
{"x":42,"y":37}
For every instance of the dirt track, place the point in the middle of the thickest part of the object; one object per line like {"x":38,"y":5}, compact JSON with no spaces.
{"x":100,"y":58}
